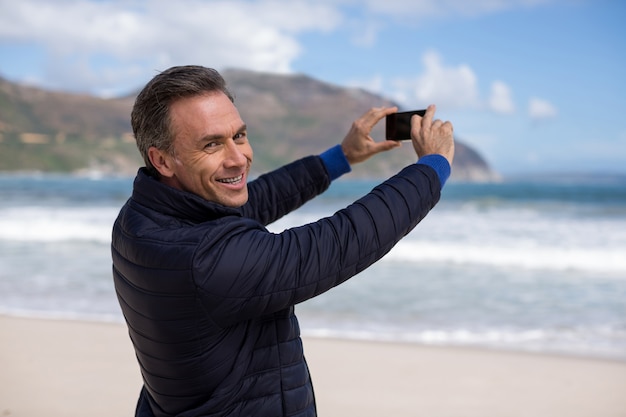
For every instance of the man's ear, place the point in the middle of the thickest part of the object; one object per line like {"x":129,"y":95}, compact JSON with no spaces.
{"x":162,"y":161}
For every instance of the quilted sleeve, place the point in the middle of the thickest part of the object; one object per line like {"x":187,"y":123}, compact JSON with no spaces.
{"x":248,"y":271}
{"x":279,"y":192}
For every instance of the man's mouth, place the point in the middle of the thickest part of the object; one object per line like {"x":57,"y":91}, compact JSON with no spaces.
{"x":234,"y":180}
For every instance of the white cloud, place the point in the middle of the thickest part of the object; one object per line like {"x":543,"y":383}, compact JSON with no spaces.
{"x":454,"y":87}
{"x":422,"y":10}
{"x":449,"y":86}
{"x":366,"y":34}
{"x":112,"y":44}
{"x":500,"y":100}
{"x":540,"y":109}
{"x":104,"y":43}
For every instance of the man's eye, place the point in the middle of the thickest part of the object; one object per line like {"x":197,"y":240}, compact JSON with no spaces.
{"x":211,"y":145}
{"x":240,"y":136}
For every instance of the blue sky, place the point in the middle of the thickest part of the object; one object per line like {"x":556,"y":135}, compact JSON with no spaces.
{"x":534,"y":85}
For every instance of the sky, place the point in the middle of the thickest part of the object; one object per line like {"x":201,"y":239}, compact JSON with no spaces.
{"x":535,"y":86}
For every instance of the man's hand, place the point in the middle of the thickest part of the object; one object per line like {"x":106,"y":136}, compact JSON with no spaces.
{"x":432,"y":137}
{"x":358,"y":145}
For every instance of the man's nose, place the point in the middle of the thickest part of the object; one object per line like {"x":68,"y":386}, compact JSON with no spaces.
{"x":234,"y":155}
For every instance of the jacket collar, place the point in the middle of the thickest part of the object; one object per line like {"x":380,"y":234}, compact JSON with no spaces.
{"x":150,"y":192}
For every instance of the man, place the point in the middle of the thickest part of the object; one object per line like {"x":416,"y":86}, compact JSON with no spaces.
{"x":207,"y":292}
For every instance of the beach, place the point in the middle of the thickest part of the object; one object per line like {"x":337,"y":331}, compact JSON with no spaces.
{"x":65,"y":368}
{"x":508,"y":300}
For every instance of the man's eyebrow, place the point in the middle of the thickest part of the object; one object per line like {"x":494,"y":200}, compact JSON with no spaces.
{"x":218,"y":136}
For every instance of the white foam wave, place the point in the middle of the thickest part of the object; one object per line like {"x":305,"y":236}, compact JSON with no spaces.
{"x":530,"y":340}
{"x":62,"y":315}
{"x":56,"y":224}
{"x":569,"y":246}
{"x":533,"y":257}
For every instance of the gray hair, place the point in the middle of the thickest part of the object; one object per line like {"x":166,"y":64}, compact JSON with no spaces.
{"x":150,"y":117}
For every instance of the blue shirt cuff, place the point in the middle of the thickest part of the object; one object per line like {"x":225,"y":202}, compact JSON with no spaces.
{"x":440,"y":164}
{"x":335,"y":162}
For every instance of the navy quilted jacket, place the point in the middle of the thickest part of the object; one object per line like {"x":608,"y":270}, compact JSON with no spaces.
{"x":208,"y":293}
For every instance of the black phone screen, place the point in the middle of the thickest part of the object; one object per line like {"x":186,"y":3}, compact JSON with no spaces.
{"x":398,"y":125}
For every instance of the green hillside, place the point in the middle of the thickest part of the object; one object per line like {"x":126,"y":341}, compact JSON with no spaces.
{"x":288,"y":116}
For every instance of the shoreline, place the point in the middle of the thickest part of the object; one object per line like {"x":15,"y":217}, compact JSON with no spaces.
{"x":60,"y":367}
{"x":312,"y":334}
{"x":330,"y":336}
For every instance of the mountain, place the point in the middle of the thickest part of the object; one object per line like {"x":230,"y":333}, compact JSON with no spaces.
{"x":288,"y":116}
{"x":56,"y":131}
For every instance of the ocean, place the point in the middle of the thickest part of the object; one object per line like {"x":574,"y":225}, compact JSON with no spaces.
{"x":533,"y":265}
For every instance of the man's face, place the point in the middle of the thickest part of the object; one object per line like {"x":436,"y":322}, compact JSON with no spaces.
{"x":212,"y":156}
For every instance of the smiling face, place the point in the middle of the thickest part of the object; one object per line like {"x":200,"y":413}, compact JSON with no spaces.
{"x":212,"y":155}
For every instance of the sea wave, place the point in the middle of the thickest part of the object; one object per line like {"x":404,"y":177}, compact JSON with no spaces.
{"x":596,"y":341}
{"x":532,"y":244}
{"x":593,"y":341}
{"x":532,"y":257}
{"x":61,"y":315}
{"x":57,"y":224}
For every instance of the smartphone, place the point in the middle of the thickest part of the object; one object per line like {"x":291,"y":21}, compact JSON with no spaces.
{"x":399,"y":125}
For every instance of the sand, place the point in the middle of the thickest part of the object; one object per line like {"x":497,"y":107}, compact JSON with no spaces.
{"x":72,"y":368}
